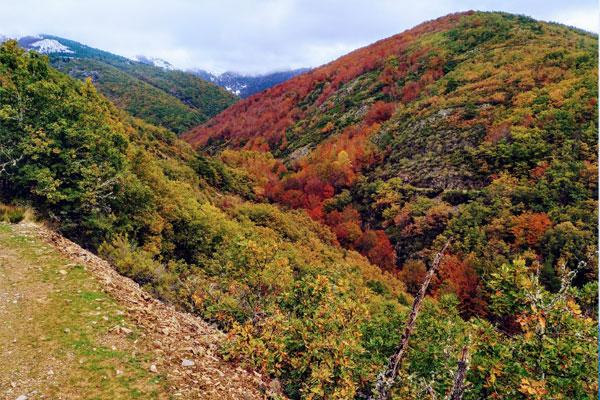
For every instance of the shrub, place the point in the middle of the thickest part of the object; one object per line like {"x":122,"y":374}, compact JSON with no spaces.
{"x":12,"y":214}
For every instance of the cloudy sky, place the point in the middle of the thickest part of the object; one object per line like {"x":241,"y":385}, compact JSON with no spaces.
{"x":254,"y":36}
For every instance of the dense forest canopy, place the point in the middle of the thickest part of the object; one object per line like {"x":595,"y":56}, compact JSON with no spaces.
{"x":478,"y":129}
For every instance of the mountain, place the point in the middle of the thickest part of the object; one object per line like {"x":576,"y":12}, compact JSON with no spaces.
{"x":391,"y":138}
{"x":247,"y":85}
{"x":157,"y":62}
{"x":147,"y":88}
{"x":460,"y":157}
{"x":45,"y":46}
{"x":480,"y":128}
{"x":170,"y":220}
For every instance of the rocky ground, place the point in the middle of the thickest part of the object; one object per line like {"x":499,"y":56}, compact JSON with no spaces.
{"x":73,"y":328}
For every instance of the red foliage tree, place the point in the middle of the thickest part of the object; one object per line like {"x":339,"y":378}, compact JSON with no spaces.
{"x":410,"y":91}
{"x":376,"y":246}
{"x":345,"y":224}
{"x":379,"y":112}
{"x":458,"y":276}
{"x":529,"y":228}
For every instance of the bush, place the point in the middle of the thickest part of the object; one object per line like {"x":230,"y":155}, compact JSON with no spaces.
{"x":12,"y":214}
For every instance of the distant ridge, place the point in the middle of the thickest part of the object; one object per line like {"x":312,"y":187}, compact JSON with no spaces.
{"x":246,"y":85}
{"x":148,"y":88}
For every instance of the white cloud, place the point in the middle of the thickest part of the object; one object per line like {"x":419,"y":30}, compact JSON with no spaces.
{"x":583,"y":18}
{"x":253,"y":35}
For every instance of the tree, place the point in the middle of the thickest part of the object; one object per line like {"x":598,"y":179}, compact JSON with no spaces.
{"x":413,"y":274}
{"x":529,"y":228}
{"x":379,"y":112}
{"x":375,"y":245}
{"x":550,"y":345}
{"x":459,"y":277}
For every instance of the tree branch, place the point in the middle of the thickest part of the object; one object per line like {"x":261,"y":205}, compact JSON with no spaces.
{"x":386,"y":379}
{"x":458,"y":388}
{"x":10,"y":163}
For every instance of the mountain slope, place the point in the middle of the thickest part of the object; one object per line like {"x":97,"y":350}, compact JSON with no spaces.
{"x":297,"y":306}
{"x":174,"y":99}
{"x":142,"y":199}
{"x":392,"y":137}
{"x":247,"y":85}
{"x":479,"y":128}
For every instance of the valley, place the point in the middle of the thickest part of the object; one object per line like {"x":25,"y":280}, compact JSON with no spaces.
{"x":419,"y":215}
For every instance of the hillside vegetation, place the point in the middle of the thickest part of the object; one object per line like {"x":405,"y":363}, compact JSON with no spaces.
{"x":173,"y":99}
{"x":478,"y":126}
{"x":297,"y":305}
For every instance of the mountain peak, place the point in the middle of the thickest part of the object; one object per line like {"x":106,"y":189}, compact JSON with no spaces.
{"x":157,"y":62}
{"x":245,"y":85}
{"x":50,"y":46}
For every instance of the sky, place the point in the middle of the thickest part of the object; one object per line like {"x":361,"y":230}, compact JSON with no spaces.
{"x":254,"y":36}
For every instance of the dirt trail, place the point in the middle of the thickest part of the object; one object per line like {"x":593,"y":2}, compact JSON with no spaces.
{"x":163,"y":342}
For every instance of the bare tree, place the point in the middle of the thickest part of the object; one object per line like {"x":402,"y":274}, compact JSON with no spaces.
{"x":458,"y":388}
{"x":543,"y":304}
{"x":536,"y":296}
{"x":386,"y":378}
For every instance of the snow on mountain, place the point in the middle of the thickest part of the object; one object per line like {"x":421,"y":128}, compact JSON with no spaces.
{"x":157,"y":62}
{"x":162,"y":63}
{"x":246,"y":85}
{"x":48,"y":46}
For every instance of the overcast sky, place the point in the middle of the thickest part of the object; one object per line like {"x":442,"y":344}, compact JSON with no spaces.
{"x":254,"y":36}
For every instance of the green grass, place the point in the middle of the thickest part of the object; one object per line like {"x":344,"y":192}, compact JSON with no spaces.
{"x":74,"y":325}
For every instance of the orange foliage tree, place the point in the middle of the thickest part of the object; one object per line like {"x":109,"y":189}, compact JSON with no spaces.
{"x":529,"y":228}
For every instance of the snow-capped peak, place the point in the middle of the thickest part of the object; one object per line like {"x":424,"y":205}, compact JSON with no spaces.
{"x":50,"y":46}
{"x":162,"y":63}
{"x":157,"y":62}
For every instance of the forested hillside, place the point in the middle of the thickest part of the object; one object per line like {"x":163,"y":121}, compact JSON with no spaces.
{"x":393,"y":150}
{"x":174,"y":99}
{"x":479,"y":126}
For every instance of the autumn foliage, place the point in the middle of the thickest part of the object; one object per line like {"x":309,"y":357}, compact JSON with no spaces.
{"x":478,"y":130}
{"x":529,"y":228}
{"x":458,"y":276}
{"x":379,"y":112}
{"x":272,"y":112}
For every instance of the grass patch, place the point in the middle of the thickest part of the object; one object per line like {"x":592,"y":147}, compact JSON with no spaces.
{"x":74,"y":326}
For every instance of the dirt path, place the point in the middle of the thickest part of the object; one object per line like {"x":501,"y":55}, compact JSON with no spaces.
{"x":72,"y":328}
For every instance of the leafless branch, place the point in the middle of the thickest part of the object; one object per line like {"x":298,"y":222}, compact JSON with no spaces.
{"x":10,"y":163}
{"x":386,"y":378}
{"x":458,"y":388}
